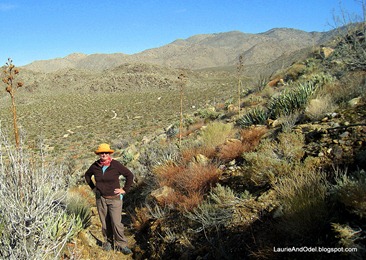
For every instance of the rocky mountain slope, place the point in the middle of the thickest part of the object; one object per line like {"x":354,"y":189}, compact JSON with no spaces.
{"x":198,"y":51}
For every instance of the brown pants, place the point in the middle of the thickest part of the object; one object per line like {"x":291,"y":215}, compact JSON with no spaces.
{"x":110,"y":214}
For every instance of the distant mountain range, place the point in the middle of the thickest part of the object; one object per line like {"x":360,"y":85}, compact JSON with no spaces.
{"x":198,"y":52}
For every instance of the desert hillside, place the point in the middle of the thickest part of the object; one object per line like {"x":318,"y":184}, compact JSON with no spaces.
{"x":255,"y":158}
{"x":199,"y":51}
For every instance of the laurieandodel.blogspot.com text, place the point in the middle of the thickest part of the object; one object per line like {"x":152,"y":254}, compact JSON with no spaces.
{"x":316,"y":249}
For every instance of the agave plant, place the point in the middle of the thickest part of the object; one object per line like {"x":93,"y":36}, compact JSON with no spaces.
{"x":291,"y":101}
{"x":255,"y":116}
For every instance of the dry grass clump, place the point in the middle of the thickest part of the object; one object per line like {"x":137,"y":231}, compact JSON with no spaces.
{"x":351,"y":192}
{"x":84,"y":192}
{"x":189,"y":183}
{"x":302,"y":198}
{"x":140,"y":218}
{"x":319,"y":107}
{"x":190,"y":151}
{"x":234,"y":148}
{"x":192,"y":128}
{"x":290,"y":146}
{"x":216,"y":133}
{"x":251,"y":137}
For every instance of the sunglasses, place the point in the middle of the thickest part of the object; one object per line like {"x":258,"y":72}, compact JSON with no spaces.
{"x":103,"y":153}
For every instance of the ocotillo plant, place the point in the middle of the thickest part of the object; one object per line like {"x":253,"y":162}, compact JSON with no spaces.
{"x":182,"y":78}
{"x":10,"y":72}
{"x":239,"y":70}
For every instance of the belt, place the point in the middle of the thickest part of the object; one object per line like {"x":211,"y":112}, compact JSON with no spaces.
{"x":111,"y":197}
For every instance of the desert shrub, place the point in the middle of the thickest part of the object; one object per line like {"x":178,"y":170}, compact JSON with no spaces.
{"x":351,"y":191}
{"x":290,"y":146}
{"x":302,"y":198}
{"x":158,"y":154}
{"x":273,"y":159}
{"x":126,"y":157}
{"x":33,"y":193}
{"x":188,"y":183}
{"x":288,"y":122}
{"x":347,"y":235}
{"x":264,"y":164}
{"x":208,"y":113}
{"x":216,"y":133}
{"x":234,"y":148}
{"x":321,"y":106}
{"x":351,"y":85}
{"x":351,"y":49}
{"x":217,"y":210}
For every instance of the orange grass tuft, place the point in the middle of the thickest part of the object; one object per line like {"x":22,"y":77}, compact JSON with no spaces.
{"x":189,"y":183}
{"x":251,"y":137}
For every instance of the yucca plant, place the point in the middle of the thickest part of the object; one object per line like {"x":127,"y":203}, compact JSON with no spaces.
{"x":78,"y":208}
{"x":290,"y":101}
{"x":255,"y":116}
{"x":65,"y":226}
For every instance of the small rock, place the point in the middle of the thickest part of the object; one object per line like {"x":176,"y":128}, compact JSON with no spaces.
{"x":334,"y":115}
{"x":344,"y":135}
{"x":355,"y":101}
{"x":334,"y":124}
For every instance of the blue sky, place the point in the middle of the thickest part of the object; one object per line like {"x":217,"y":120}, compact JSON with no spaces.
{"x":45,"y":29}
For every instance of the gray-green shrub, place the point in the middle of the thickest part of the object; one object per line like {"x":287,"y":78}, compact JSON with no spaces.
{"x":32,"y":193}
